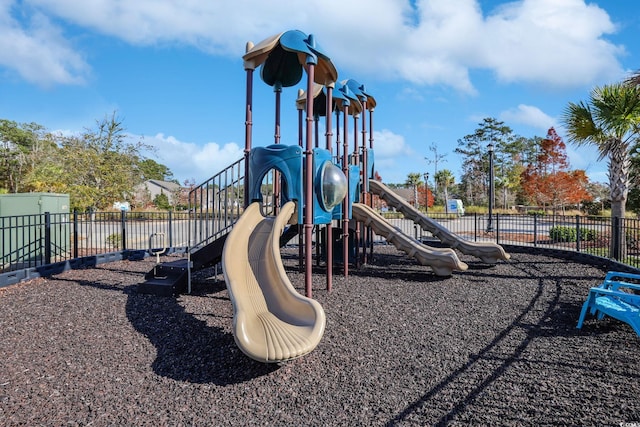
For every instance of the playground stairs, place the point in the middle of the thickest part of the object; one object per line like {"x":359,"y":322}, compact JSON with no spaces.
{"x":166,"y":279}
{"x":171,"y":278}
{"x":214,"y":207}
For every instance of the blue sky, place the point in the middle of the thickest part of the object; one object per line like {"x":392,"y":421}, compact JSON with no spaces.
{"x":172,"y":70}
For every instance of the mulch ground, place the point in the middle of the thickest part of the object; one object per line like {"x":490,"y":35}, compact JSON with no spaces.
{"x":494,"y":345}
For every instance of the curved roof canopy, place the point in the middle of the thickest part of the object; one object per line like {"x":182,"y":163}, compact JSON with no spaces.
{"x":317,"y":93}
{"x":283,"y":57}
{"x":360,"y":91}
{"x":341,"y":96}
{"x":344,"y":96}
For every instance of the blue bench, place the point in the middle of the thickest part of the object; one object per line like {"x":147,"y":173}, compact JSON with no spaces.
{"x":615,"y":298}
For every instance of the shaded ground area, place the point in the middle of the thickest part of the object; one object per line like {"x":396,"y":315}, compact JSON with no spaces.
{"x":489,"y":346}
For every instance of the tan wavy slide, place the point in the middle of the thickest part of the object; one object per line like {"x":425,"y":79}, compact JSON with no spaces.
{"x":442,"y":261}
{"x":488,"y":252}
{"x":272,"y":322}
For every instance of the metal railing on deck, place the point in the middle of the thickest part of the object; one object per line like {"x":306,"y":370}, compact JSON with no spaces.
{"x":216,"y":204}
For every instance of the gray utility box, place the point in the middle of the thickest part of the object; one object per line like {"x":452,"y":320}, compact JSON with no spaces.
{"x":27,"y":239}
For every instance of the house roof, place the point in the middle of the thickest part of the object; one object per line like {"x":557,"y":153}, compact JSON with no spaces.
{"x":165,"y":185}
{"x":405,"y":193}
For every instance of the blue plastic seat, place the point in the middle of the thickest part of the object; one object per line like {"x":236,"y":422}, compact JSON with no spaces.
{"x":614,"y":298}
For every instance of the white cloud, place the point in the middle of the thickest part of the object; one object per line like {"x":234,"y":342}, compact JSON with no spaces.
{"x":555,"y":42}
{"x":412,"y":93}
{"x":388,"y":145}
{"x":548,"y":42}
{"x":214,"y":26}
{"x":528,"y":115}
{"x":432,"y":42}
{"x":392,"y":154}
{"x":188,"y":160}
{"x":38,"y":52}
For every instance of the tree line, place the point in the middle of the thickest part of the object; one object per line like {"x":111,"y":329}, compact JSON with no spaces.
{"x":96,"y":167}
{"x":536,"y":171}
{"x":527,"y":171}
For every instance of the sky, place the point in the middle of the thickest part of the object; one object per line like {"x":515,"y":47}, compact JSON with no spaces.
{"x":172,"y":70}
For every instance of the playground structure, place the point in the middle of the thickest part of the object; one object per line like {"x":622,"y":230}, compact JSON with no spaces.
{"x":242,"y":215}
{"x":442,"y":261}
{"x":488,"y":252}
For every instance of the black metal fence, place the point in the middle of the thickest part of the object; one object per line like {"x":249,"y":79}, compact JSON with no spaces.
{"x":617,"y":239}
{"x":30,"y":241}
{"x":35,"y":240}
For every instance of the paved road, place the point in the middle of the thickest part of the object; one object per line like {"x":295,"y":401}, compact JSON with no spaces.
{"x":97,"y":234}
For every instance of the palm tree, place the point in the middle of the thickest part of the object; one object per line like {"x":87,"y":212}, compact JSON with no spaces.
{"x":413,"y":181}
{"x":445,"y":179}
{"x":610,"y":121}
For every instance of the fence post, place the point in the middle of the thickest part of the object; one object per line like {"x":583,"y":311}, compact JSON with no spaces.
{"x":47,"y":238}
{"x":497,"y":228}
{"x":535,"y":229}
{"x":578,"y":236}
{"x":123,"y":226}
{"x":75,"y":233}
{"x":475,"y":226}
{"x":615,"y":238}
{"x":170,"y":230}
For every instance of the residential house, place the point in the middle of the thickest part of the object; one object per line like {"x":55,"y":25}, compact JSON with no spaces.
{"x":149,"y":190}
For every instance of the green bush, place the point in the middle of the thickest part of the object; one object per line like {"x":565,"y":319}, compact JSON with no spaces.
{"x":562,"y":234}
{"x":114,"y":240}
{"x":392,"y":215}
{"x":633,"y":239}
{"x":569,"y":234}
{"x":470,"y":210}
{"x":161,"y":201}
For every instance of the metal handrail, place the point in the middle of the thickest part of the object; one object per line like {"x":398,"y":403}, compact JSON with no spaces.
{"x":215,"y":205}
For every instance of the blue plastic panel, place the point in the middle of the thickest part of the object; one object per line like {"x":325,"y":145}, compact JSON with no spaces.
{"x":354,"y":192}
{"x":320,"y":214}
{"x":287,"y":159}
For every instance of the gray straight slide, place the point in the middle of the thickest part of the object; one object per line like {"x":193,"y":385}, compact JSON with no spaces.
{"x":442,"y":261}
{"x":488,"y":252}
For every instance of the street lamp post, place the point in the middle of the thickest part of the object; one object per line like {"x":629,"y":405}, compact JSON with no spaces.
{"x":426,"y":192}
{"x":491,"y":189}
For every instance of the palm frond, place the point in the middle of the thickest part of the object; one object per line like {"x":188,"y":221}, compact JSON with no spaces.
{"x":617,"y":109}
{"x":609,"y":120}
{"x":580,"y":125}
